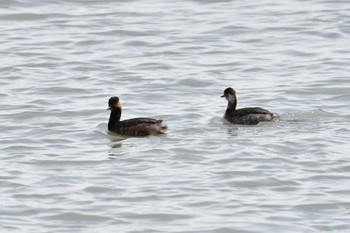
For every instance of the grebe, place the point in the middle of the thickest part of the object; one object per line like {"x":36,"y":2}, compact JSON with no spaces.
{"x":132,"y":127}
{"x":244,"y":116}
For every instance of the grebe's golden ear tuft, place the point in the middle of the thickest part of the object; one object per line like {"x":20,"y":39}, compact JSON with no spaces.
{"x":118,"y":104}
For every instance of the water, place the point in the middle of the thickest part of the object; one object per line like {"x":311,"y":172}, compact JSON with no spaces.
{"x":62,"y":172}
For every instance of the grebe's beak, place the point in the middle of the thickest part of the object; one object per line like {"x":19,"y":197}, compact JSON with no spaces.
{"x":222,"y":96}
{"x":109,"y":108}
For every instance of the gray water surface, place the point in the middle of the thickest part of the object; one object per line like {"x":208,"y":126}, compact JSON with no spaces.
{"x":62,"y":172}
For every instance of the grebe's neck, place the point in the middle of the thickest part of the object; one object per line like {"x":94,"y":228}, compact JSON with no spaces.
{"x":232,"y":103}
{"x":114,"y":118}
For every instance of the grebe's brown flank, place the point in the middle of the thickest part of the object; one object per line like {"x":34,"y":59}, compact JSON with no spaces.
{"x":244,"y":116}
{"x":132,"y":127}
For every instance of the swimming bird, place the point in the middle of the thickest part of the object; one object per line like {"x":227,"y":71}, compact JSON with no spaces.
{"x":244,"y":116}
{"x":132,"y":127}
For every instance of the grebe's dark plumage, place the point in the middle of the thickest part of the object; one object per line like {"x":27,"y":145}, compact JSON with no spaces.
{"x":132,"y":127}
{"x":244,"y":116}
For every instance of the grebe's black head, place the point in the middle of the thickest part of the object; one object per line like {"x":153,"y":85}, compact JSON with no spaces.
{"x":229,"y":91}
{"x":114,"y":103}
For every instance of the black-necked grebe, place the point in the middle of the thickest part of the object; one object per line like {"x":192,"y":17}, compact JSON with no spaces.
{"x":244,"y":116}
{"x":132,"y":127}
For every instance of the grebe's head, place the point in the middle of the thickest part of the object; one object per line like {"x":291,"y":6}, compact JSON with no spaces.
{"x":230,"y":94}
{"x":114,"y":103}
